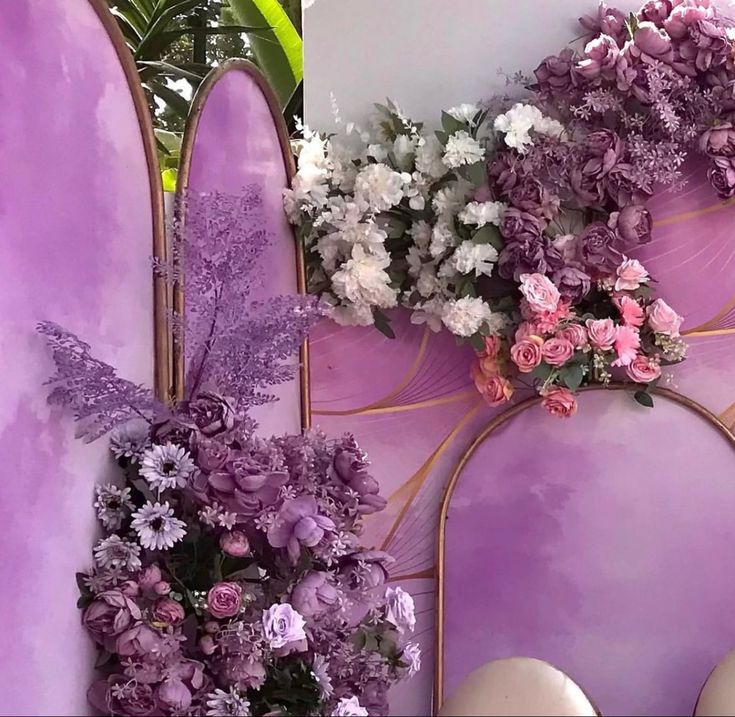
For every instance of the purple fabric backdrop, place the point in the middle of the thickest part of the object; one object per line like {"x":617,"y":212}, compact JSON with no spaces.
{"x":236,"y":145}
{"x":76,"y":228}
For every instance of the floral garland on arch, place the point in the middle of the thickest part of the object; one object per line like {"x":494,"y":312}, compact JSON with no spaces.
{"x":230,"y":578}
{"x":514,"y":226}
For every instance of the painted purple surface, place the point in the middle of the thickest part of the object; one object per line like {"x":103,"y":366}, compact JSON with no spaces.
{"x":600,"y":546}
{"x":236,"y":145}
{"x":75,"y":228}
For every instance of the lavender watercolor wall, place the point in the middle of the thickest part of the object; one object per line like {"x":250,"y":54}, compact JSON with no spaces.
{"x":75,"y":239}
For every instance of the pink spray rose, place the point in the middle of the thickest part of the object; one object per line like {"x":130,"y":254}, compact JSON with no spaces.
{"x":235,"y":543}
{"x":631,"y":274}
{"x":494,"y":388}
{"x":526,"y":354}
{"x":224,"y":600}
{"x":643,"y":369}
{"x":540,"y":292}
{"x":556,"y":351}
{"x":631,"y":312}
{"x":601,"y":333}
{"x":627,"y":343}
{"x":167,"y":611}
{"x":576,"y":334}
{"x":663,"y":319}
{"x":560,"y":403}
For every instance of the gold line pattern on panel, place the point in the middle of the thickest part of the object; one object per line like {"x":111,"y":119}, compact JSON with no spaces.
{"x":494,"y":424}
{"x":383,"y":402}
{"x":162,"y":343}
{"x":685,"y":216}
{"x":187,"y":149}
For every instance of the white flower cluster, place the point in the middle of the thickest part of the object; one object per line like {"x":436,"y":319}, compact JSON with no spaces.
{"x":394,"y":216}
{"x":516,"y":124}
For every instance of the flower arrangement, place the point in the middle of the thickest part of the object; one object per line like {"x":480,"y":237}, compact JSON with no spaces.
{"x":230,"y":578}
{"x":467,"y":226}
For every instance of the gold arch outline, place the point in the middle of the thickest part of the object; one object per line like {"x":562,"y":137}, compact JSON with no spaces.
{"x":187,"y":149}
{"x":162,"y":343}
{"x":495,"y":423}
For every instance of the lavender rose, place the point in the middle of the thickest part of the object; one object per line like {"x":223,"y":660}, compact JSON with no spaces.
{"x":110,"y":614}
{"x":598,"y":248}
{"x":212,"y":413}
{"x":224,"y":600}
{"x":314,"y":594}
{"x":167,"y":611}
{"x":632,"y":224}
{"x":349,"y":707}
{"x":284,"y":626}
{"x":399,"y":609}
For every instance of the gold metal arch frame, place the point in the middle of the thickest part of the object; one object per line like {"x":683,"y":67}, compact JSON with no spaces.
{"x":187,"y":149}
{"x":163,"y":359}
{"x":496,"y":423}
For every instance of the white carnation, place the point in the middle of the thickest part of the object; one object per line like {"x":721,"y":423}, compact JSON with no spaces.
{"x":518,"y":122}
{"x":414,"y":260}
{"x":462,"y":149}
{"x":428,"y":283}
{"x":420,"y":232}
{"x":441,"y":239}
{"x":465,"y":316}
{"x":378,"y":152}
{"x":481,"y":213}
{"x":379,"y":186}
{"x":464,"y":112}
{"x":470,"y":257}
{"x":450,"y":199}
{"x":363,"y":280}
{"x":429,"y":158}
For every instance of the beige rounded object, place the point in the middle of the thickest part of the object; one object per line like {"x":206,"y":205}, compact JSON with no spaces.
{"x":516,"y":687}
{"x":718,"y":694}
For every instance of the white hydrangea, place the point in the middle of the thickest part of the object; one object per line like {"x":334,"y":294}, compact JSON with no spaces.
{"x":441,"y":239}
{"x":429,"y":313}
{"x":465,"y":316}
{"x":429,"y":157}
{"x":363,"y":280}
{"x":516,"y":124}
{"x":470,"y":257}
{"x":464,"y":113}
{"x":379,"y":186}
{"x":462,"y":149}
{"x":481,"y":213}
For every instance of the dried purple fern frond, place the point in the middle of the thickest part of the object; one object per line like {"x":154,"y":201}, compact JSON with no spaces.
{"x":99,"y":399}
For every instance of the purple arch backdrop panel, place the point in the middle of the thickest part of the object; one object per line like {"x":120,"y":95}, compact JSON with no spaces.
{"x":76,"y":228}
{"x":237,"y":145}
{"x":412,"y":406}
{"x":601,"y":546}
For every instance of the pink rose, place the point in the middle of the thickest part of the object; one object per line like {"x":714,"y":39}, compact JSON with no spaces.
{"x":167,"y":611}
{"x":556,"y":352}
{"x":492,"y":347}
{"x":575,"y":334}
{"x":224,"y":600}
{"x":643,"y":369}
{"x":235,"y":543}
{"x":495,"y":389}
{"x":526,"y":354}
{"x":627,"y":343}
{"x":560,"y":402}
{"x":663,"y":319}
{"x":601,"y":333}
{"x":540,"y":292}
{"x":631,"y":274}
{"x":631,"y":312}
{"x":526,"y":329}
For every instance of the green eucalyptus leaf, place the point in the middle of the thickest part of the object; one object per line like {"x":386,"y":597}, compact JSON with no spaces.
{"x":644,"y":398}
{"x":542,"y":372}
{"x":382,"y":324}
{"x":451,"y":124}
{"x":477,"y":341}
{"x":572,"y":375}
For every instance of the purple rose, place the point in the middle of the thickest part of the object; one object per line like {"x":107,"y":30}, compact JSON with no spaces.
{"x":504,"y":173}
{"x":283,"y":628}
{"x":174,"y":695}
{"x":110,"y":614}
{"x":534,"y":255}
{"x":138,"y":640}
{"x":573,"y":284}
{"x":554,"y":74}
{"x":625,"y":186}
{"x":120,"y":695}
{"x":598,"y":248}
{"x":517,"y":224}
{"x":530,"y":195}
{"x":298,"y":523}
{"x":656,"y":11}
{"x":721,"y":175}
{"x":608,"y":21}
{"x":652,"y":44}
{"x":600,"y":59}
{"x":719,"y":141}
{"x":400,"y":610}
{"x":167,"y":611}
{"x":314,"y":594}
{"x":350,"y":467}
{"x":213,"y":413}
{"x":606,"y":145}
{"x":633,"y":226}
{"x":224,"y":600}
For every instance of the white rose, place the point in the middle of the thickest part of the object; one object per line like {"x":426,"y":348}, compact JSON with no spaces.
{"x":399,"y":609}
{"x":349,"y":707}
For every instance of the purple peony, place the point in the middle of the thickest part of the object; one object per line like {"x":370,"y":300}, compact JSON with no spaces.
{"x":212,"y":413}
{"x":701,"y":43}
{"x":239,"y":670}
{"x":530,"y":195}
{"x":110,"y":614}
{"x":600,"y":59}
{"x":174,"y":695}
{"x":504,"y":172}
{"x":120,"y":695}
{"x":606,"y":21}
{"x":350,"y":467}
{"x":298,"y":523}
{"x":624,"y":186}
{"x":721,"y":175}
{"x":656,"y":11}
{"x":520,"y":225}
{"x":534,"y":255}
{"x":573,"y":284}
{"x":554,"y":74}
{"x":138,"y":640}
{"x":719,"y":141}
{"x":632,"y":224}
{"x":651,"y":44}
{"x":598,"y":248}
{"x":224,"y":600}
{"x":283,"y":628}
{"x":211,"y":454}
{"x":314,"y":594}
{"x":235,"y":543}
{"x":366,"y":569}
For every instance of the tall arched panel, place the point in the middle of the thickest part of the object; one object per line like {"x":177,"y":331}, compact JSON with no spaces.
{"x":80,"y":216}
{"x":236,"y":138}
{"x":600,"y":545}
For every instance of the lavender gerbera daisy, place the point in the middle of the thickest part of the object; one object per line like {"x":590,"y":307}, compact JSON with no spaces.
{"x":320,"y":672}
{"x":221,"y":703}
{"x":112,"y":505}
{"x":166,"y":466}
{"x":156,"y":526}
{"x":114,"y":552}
